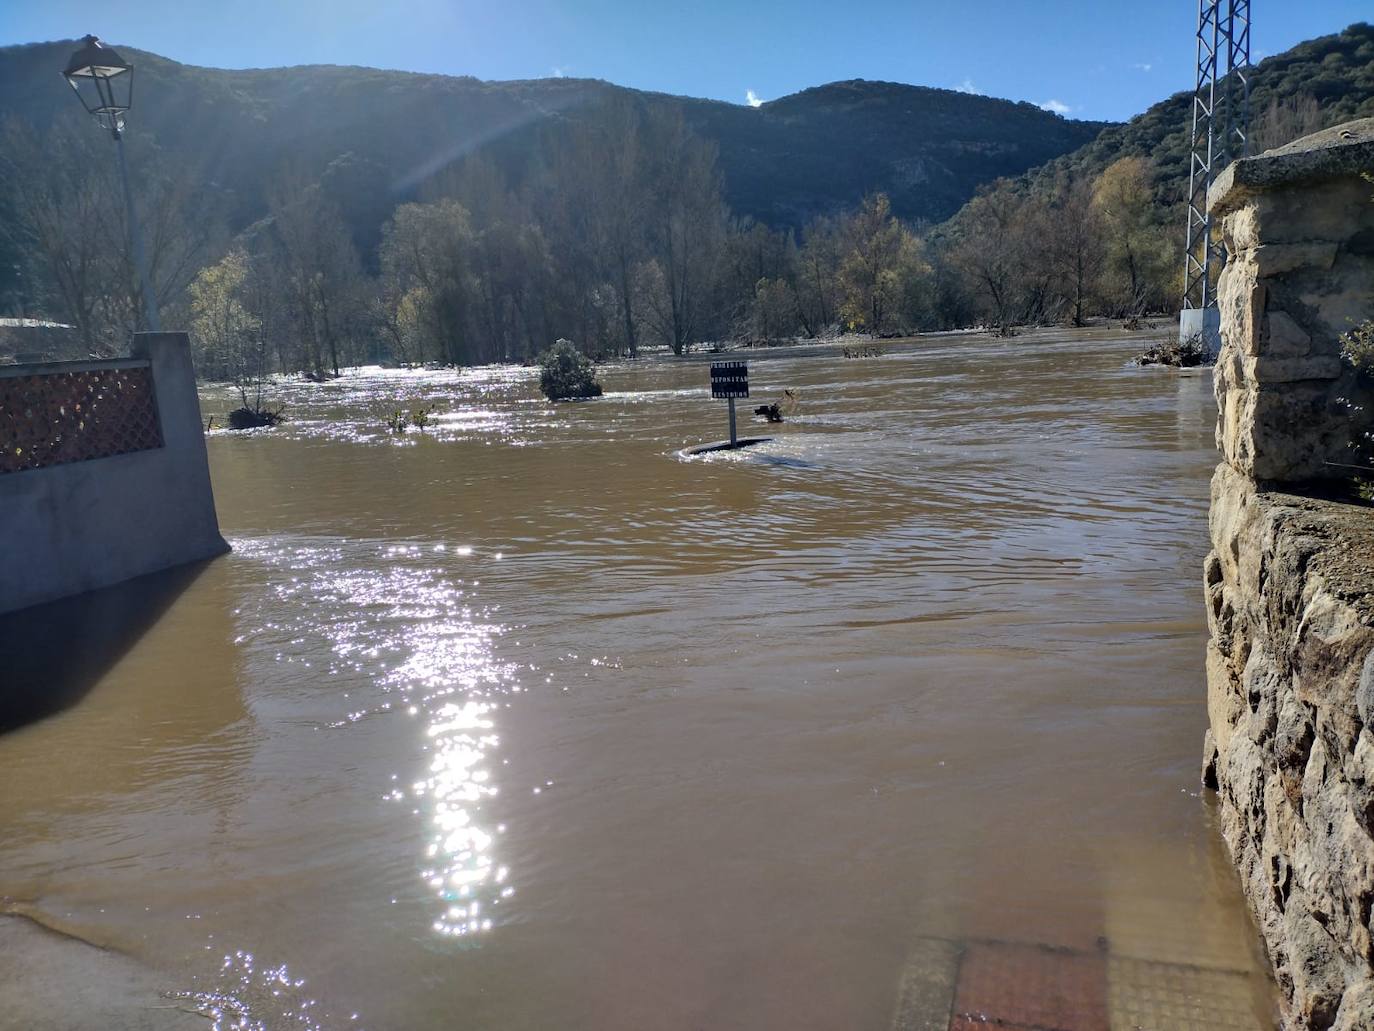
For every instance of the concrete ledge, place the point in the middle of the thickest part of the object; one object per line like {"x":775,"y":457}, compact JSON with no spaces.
{"x":1342,"y":150}
{"x":53,"y":981}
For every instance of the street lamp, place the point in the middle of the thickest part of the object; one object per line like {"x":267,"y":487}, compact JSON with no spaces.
{"x":104,"y":83}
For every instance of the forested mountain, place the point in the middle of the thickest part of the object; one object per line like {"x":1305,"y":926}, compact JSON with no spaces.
{"x":816,"y":152}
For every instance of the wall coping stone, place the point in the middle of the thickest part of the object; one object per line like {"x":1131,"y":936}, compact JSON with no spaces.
{"x":1342,"y":538}
{"x":1342,"y":150}
{"x":55,"y":368}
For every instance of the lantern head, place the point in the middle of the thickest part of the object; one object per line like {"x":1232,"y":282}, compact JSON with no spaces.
{"x":103,"y":81}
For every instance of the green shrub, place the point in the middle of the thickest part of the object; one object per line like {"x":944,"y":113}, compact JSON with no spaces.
{"x":251,"y":417}
{"x":398,"y":421}
{"x":1357,"y":347}
{"x":565,"y":372}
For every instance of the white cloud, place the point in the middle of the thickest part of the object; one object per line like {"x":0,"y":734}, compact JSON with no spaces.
{"x":1057,"y":106}
{"x":967,"y":86}
{"x":561,"y":72}
{"x":752,"y":99}
{"x":1143,"y":67}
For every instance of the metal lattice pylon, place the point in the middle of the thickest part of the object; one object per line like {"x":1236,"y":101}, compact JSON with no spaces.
{"x":1221,"y":128}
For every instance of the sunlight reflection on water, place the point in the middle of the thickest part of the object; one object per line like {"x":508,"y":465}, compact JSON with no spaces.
{"x":409,"y":631}
{"x":242,"y":996}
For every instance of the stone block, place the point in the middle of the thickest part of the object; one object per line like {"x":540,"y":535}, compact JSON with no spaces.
{"x":1357,"y":1008}
{"x":1275,"y":259}
{"x":1224,"y":702}
{"x":1325,"y":213}
{"x":1283,"y":436}
{"x":1284,"y":337}
{"x":1266,"y":369}
{"x":1364,"y":694}
{"x":1240,"y":228}
{"x":1241,"y":298}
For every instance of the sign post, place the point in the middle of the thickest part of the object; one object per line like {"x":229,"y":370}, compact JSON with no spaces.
{"x":730,"y":380}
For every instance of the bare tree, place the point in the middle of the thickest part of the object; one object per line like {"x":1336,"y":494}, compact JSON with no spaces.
{"x":817,"y":278}
{"x":987,"y":252}
{"x":1075,"y":244}
{"x":686,"y":227}
{"x":322,"y":272}
{"x":1285,"y":120}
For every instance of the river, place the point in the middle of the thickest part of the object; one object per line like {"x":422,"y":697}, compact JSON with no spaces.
{"x":528,"y":720}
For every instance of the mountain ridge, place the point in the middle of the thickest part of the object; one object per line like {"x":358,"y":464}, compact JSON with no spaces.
{"x":813,"y":152}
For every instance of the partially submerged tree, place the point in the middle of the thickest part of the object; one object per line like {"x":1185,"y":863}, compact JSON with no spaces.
{"x":229,"y":338}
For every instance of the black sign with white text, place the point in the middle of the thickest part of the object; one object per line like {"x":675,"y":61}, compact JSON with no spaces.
{"x":729,"y":379}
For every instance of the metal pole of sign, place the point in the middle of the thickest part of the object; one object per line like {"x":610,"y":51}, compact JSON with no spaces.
{"x":734,"y":441}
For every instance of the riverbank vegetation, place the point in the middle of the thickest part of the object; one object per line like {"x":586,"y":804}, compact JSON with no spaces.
{"x":611,"y":229}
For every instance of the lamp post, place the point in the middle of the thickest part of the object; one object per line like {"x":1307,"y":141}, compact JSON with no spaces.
{"x":104,"y":83}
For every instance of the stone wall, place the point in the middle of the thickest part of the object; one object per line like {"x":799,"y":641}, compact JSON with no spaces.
{"x":104,"y":476}
{"x":1290,"y":581}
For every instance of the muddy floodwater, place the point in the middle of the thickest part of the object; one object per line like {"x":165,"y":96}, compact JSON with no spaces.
{"x":530,"y":721}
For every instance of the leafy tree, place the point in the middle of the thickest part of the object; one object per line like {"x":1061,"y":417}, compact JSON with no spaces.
{"x":427,"y":250}
{"x":228,"y":337}
{"x":1140,"y":267}
{"x":877,"y":256}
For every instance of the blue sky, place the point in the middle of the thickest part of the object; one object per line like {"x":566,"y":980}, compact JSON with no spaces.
{"x":1068,"y":55}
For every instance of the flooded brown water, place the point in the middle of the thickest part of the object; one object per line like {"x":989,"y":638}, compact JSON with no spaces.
{"x":528,"y":721}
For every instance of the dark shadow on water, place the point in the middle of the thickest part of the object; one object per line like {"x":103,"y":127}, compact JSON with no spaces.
{"x":790,"y":463}
{"x":52,"y":655}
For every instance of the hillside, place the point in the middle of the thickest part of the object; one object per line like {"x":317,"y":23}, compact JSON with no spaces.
{"x":816,"y":152}
{"x":1335,"y":71}
{"x":819,"y":151}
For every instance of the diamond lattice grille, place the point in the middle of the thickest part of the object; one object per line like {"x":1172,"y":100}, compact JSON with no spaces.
{"x":57,"y":417}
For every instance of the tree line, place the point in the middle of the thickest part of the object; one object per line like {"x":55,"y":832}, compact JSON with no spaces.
{"x":618,"y":239}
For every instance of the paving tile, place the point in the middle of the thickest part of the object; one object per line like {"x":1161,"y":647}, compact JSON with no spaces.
{"x":926,"y":995}
{"x":1144,"y":995}
{"x":1031,"y":986}
{"x":973,"y":1024}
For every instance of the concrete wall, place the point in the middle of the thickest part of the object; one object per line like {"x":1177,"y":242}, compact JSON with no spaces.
{"x":1290,"y":581}
{"x":74,"y":527}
